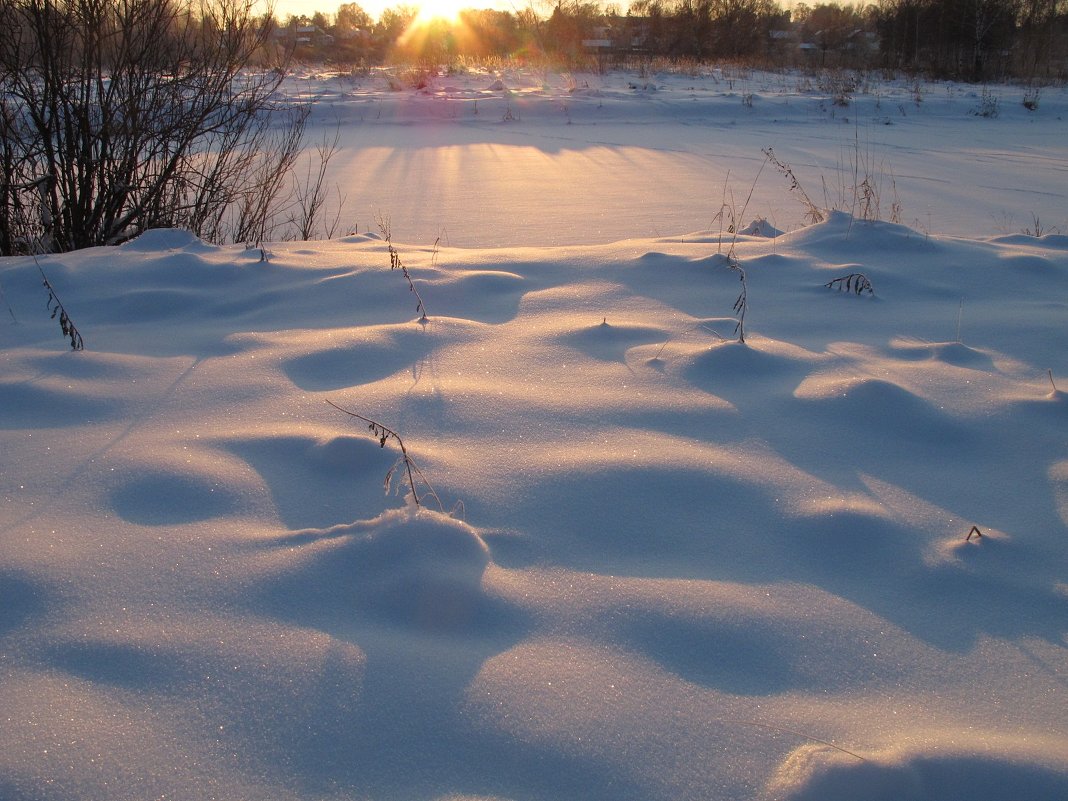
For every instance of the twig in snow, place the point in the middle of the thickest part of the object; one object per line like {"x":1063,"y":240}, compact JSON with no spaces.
{"x":812,"y":213}
{"x":741,"y":305}
{"x":56,"y":308}
{"x":395,"y":263}
{"x":795,"y":732}
{"x":856,"y":283}
{"x":411,"y":470}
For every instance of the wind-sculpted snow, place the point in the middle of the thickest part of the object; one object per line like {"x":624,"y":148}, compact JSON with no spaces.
{"x":655,"y":562}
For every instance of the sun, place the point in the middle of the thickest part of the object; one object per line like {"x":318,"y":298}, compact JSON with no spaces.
{"x":446,"y":10}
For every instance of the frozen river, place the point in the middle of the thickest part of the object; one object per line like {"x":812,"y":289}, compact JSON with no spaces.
{"x":536,"y":164}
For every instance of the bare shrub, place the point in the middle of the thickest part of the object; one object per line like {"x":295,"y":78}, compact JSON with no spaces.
{"x":1038,"y":228}
{"x":988,"y":104}
{"x":311,"y":193}
{"x":840,"y":85}
{"x":863,"y":185}
{"x":122,"y":115}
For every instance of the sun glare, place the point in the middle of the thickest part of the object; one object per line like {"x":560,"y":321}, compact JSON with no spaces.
{"x":447,"y":10}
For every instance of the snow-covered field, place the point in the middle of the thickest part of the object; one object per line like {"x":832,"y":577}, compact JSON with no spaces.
{"x":665,"y":564}
{"x":581,"y":159}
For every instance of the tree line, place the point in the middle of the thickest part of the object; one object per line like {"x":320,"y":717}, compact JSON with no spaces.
{"x":974,"y":40}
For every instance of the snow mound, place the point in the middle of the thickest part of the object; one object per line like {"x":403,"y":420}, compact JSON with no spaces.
{"x":762,"y":228}
{"x":158,"y":239}
{"x":817,"y":773}
{"x":419,"y":571}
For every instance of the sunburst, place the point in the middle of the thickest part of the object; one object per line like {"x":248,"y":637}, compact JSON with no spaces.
{"x":447,"y":10}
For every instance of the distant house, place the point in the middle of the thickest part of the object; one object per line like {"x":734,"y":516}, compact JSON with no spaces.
{"x":627,"y":35}
{"x":600,"y":39}
{"x":303,"y":35}
{"x":313,"y":35}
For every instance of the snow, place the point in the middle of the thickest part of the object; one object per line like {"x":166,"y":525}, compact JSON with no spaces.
{"x":532,"y":158}
{"x":665,"y":564}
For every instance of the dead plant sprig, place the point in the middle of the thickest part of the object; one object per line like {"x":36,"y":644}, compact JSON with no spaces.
{"x":812,"y":213}
{"x":412,"y":473}
{"x":857,"y":283}
{"x":395,"y":263}
{"x":56,"y":307}
{"x":741,"y":304}
{"x":725,"y":208}
{"x":434,"y":253}
{"x":1038,"y":229}
{"x":784,"y":730}
{"x":740,"y":217}
{"x":673,"y":337}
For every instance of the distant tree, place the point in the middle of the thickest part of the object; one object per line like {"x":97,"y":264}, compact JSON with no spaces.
{"x":429,"y":44}
{"x":351,"y":16}
{"x":391,"y":25}
{"x":691,"y":29}
{"x":831,"y":27}
{"x":1042,"y":41}
{"x":352,"y":34}
{"x":898,"y":23}
{"x":957,"y":38}
{"x":739,"y":28}
{"x":654,"y":15}
{"x":992,"y":28}
{"x":486,"y":32}
{"x":567,"y":26}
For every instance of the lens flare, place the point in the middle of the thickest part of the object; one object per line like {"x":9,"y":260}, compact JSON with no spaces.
{"x":445,"y":10}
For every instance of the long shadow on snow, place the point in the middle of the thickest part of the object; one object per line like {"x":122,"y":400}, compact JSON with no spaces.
{"x":407,"y":591}
{"x":899,"y":440}
{"x":876,"y":428}
{"x":22,"y":598}
{"x":15,"y":790}
{"x":946,"y":778}
{"x":346,"y":471}
{"x":675,"y":523}
{"x":645,"y":521}
{"x":344,"y":364}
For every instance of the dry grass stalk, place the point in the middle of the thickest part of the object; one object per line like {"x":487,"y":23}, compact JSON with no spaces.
{"x":395,"y":263}
{"x":412,"y":474}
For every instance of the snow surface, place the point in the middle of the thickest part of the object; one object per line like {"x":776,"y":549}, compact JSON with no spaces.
{"x":667,"y":565}
{"x":581,"y":159}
